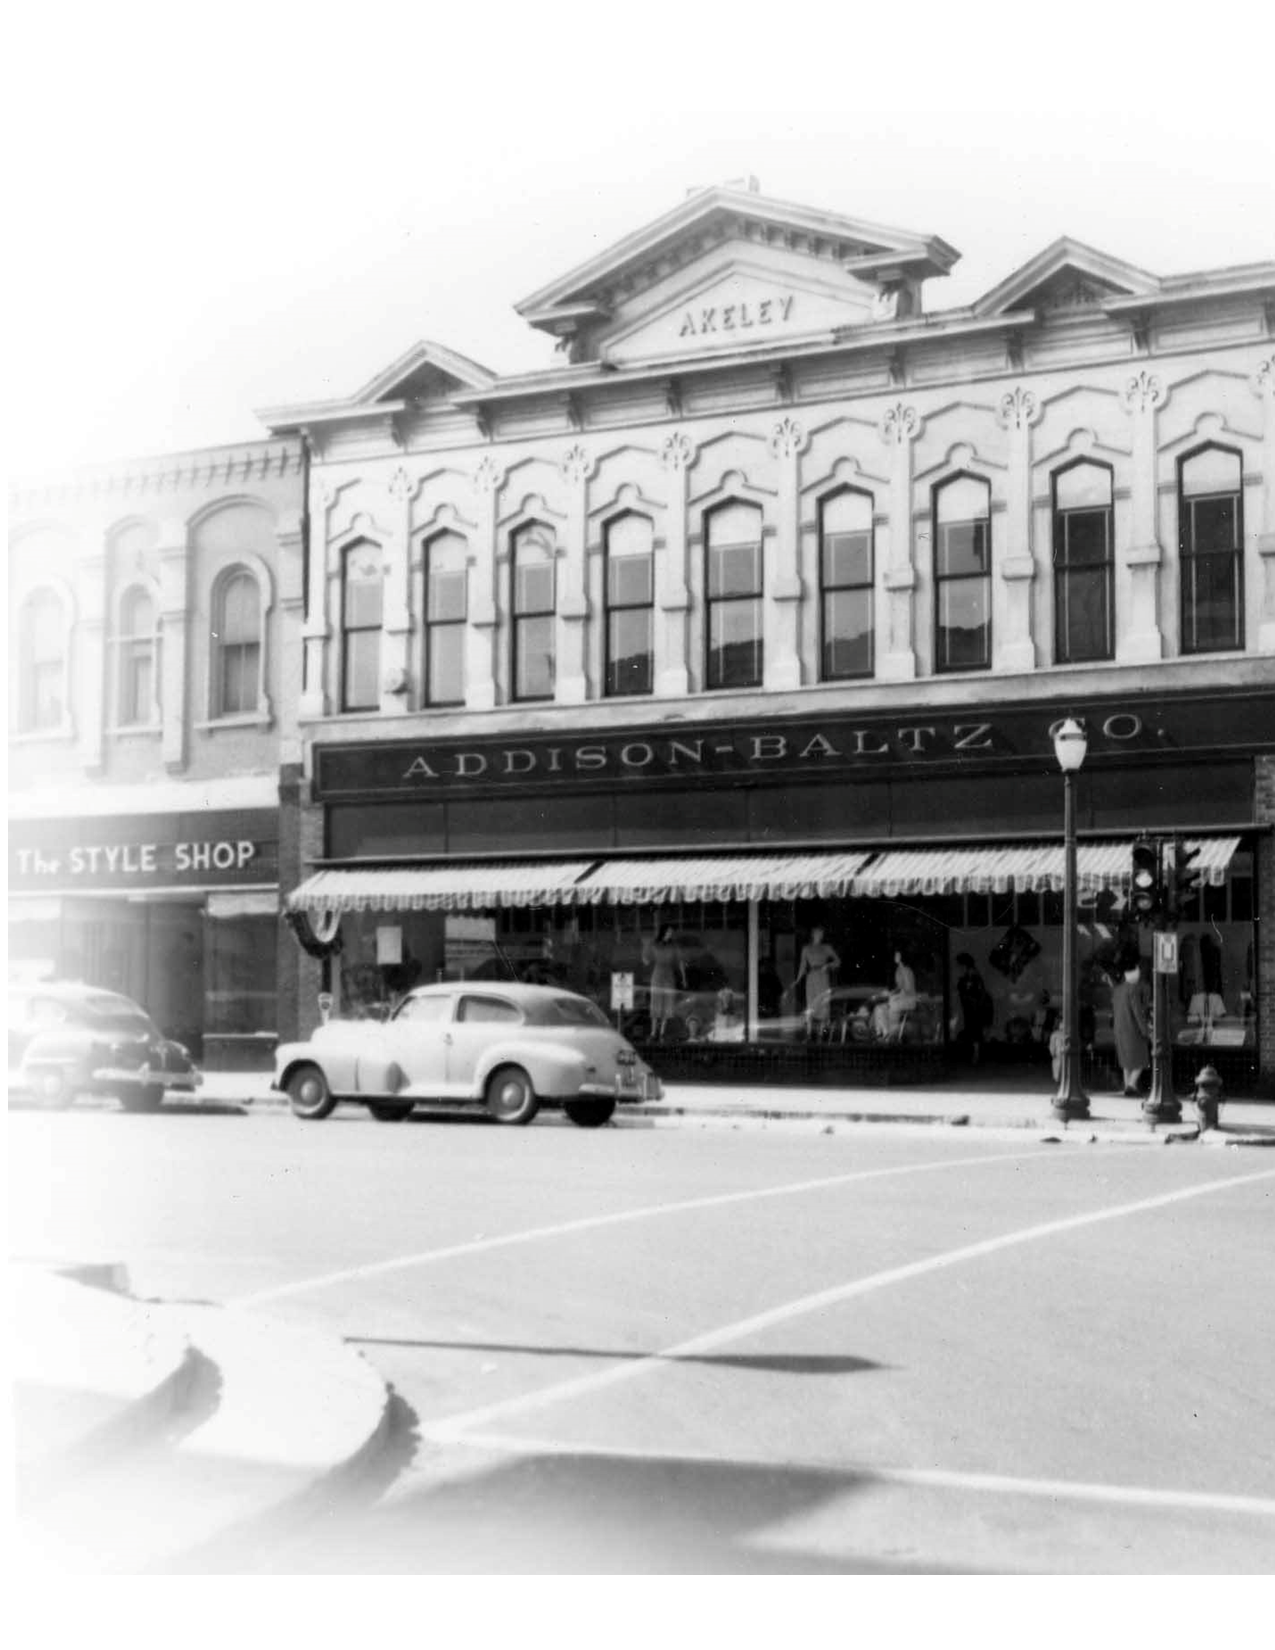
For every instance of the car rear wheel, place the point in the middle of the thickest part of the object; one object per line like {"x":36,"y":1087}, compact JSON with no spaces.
{"x":390,"y":1111}
{"x":309,"y":1094}
{"x":147,"y":1099}
{"x":590,"y":1114}
{"x":510,"y":1096}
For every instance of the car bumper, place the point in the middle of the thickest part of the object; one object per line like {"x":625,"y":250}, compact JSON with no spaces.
{"x":145,"y":1077}
{"x":647,"y":1087}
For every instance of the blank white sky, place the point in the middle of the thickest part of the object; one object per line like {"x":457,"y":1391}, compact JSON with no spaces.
{"x":224,"y":208}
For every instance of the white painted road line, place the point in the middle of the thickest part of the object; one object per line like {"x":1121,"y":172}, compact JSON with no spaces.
{"x":589,"y":1223}
{"x":1050,"y":1489}
{"x":451,"y":1429}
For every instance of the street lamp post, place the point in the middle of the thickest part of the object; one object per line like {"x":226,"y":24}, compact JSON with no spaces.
{"x":1071,"y":1100}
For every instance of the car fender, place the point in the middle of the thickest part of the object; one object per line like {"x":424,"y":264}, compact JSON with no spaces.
{"x":554,"y":1068}
{"x":337,"y":1064}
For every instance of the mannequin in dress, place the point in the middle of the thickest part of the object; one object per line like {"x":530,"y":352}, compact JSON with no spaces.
{"x":665,"y":962}
{"x":818,"y":962}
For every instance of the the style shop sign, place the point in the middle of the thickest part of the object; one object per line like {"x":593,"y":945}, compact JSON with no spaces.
{"x":144,"y":851}
{"x":685,"y":751}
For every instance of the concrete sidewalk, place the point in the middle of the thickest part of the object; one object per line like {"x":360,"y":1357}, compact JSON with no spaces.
{"x":992,"y":1101}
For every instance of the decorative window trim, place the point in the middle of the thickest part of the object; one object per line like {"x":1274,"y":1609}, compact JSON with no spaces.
{"x":429,"y":626}
{"x":349,"y":546}
{"x":63,"y":594}
{"x":118,"y":641}
{"x":529,"y":525}
{"x":608,"y":608}
{"x":1186,"y":527}
{"x":718,"y":507}
{"x":1109,"y":564}
{"x":942,"y":579}
{"x":824,"y":499}
{"x":250,"y":563}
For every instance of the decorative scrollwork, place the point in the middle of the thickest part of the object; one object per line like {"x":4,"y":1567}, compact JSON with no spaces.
{"x":899,"y":424}
{"x":488,"y":476}
{"x":1018,"y":408}
{"x":787,"y":438}
{"x":401,"y":485}
{"x":678,"y":452}
{"x":1262,"y":383}
{"x":1144,"y":392}
{"x":577,"y":465}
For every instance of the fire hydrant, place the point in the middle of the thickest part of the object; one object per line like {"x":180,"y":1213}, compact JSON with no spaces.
{"x":1208,"y":1097}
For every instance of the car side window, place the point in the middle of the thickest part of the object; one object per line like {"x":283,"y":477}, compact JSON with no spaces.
{"x":424,"y":1009}
{"x":487,"y":1008}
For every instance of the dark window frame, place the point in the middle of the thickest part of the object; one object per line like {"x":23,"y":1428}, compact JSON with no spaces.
{"x":717,"y":604}
{"x":132,"y":647}
{"x":1189,"y":557}
{"x":1061,"y":521}
{"x":942,"y":580}
{"x":226,"y":702}
{"x":519,"y":618}
{"x":360,"y":547}
{"x":827,"y":589}
{"x":434,"y":626}
{"x":610,"y":687}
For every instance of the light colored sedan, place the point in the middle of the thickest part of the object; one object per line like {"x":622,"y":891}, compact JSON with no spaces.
{"x":511,"y":1047}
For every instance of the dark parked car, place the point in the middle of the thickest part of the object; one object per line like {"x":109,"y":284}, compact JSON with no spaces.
{"x":67,"y":1039}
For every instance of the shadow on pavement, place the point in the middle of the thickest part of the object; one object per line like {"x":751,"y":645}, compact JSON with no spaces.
{"x":777,"y":1363}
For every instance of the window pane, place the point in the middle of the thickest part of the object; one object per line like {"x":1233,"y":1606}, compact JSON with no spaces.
{"x":362,"y":670}
{"x":1084,"y":542}
{"x":239,"y":609}
{"x":1214,"y":525}
{"x":363,"y":602}
{"x":239,"y":667}
{"x":534,"y":644}
{"x":446,"y":576}
{"x":962,"y":548}
{"x":734,"y":570}
{"x":46,"y":696}
{"x":964,"y":631}
{"x":43,"y":629}
{"x":630,"y":579}
{"x":446,"y":664}
{"x":847,"y":634}
{"x":734,"y":524}
{"x":734,"y":644}
{"x":847,"y":559}
{"x":1211,"y":605}
{"x":1212,"y":471}
{"x":1082,"y":485}
{"x":629,"y":658}
{"x":846,"y":513}
{"x":135,"y":692}
{"x":533,"y":588}
{"x":964,"y":499}
{"x":137,"y":614}
{"x":1082,"y":615}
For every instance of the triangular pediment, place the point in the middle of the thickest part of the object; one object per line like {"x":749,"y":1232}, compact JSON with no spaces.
{"x":1067,"y":276}
{"x":427,"y":372}
{"x":733,"y":241}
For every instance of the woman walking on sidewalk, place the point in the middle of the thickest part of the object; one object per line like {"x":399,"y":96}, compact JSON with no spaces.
{"x":1129,"y":1022}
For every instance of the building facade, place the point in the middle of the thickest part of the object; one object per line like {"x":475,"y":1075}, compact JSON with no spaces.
{"x":753,"y":616}
{"x":151,"y":683}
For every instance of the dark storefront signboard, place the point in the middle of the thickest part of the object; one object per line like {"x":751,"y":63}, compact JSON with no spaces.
{"x":133,"y":852}
{"x":983,"y":739}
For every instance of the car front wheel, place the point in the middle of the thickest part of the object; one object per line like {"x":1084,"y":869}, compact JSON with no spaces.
{"x":390,"y":1111}
{"x":309,"y":1094}
{"x":590,"y":1114}
{"x":510,"y":1096}
{"x":54,"y":1088}
{"x":147,"y":1099}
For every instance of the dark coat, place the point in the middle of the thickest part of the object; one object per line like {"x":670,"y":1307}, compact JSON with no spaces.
{"x":1129,"y":1020}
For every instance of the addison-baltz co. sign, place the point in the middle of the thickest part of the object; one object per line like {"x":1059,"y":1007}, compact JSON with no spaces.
{"x":685,"y":752}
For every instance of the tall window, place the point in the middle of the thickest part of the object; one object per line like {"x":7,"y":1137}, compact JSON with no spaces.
{"x":1210,"y":541}
{"x":362,"y":602}
{"x":534,"y":601}
{"x":42,"y":660}
{"x":236,"y":644}
{"x":138,"y":648}
{"x":1083,"y":570}
{"x":962,"y":574}
{"x":845,"y":584}
{"x":446,"y":609}
{"x":733,"y":541}
{"x":630,"y":605}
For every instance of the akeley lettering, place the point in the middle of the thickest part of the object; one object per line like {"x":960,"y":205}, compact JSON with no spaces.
{"x":740,"y":317}
{"x":982,"y":739}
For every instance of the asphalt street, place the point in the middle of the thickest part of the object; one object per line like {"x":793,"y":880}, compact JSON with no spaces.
{"x":708,"y":1350}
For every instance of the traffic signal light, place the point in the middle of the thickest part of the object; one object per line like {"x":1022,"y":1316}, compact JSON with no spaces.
{"x":1182,"y":880}
{"x":1145,"y":891}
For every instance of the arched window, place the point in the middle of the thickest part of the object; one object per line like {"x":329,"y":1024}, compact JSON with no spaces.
{"x":733,"y":545}
{"x":236,"y":641}
{"x":137,"y":646}
{"x":845,"y":585}
{"x":962,"y":574}
{"x":1083,"y":563}
{"x":630,"y":605}
{"x":362,"y":605}
{"x":1210,"y":541}
{"x":42,"y":662}
{"x":446,"y":609}
{"x":534,"y":605}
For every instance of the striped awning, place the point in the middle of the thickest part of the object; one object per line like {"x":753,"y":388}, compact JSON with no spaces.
{"x":694,"y":877}
{"x":1023,"y":868}
{"x":460,"y":887}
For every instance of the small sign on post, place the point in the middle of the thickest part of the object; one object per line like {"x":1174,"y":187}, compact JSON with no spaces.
{"x":325,"y":1006}
{"x":1166,"y":953}
{"x":621,"y":991}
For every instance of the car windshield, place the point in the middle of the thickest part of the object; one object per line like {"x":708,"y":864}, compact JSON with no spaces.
{"x":576,"y":1011}
{"x":116,"y":1013}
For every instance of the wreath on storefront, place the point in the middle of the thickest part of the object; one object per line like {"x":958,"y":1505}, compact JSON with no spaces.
{"x":320,"y":937}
